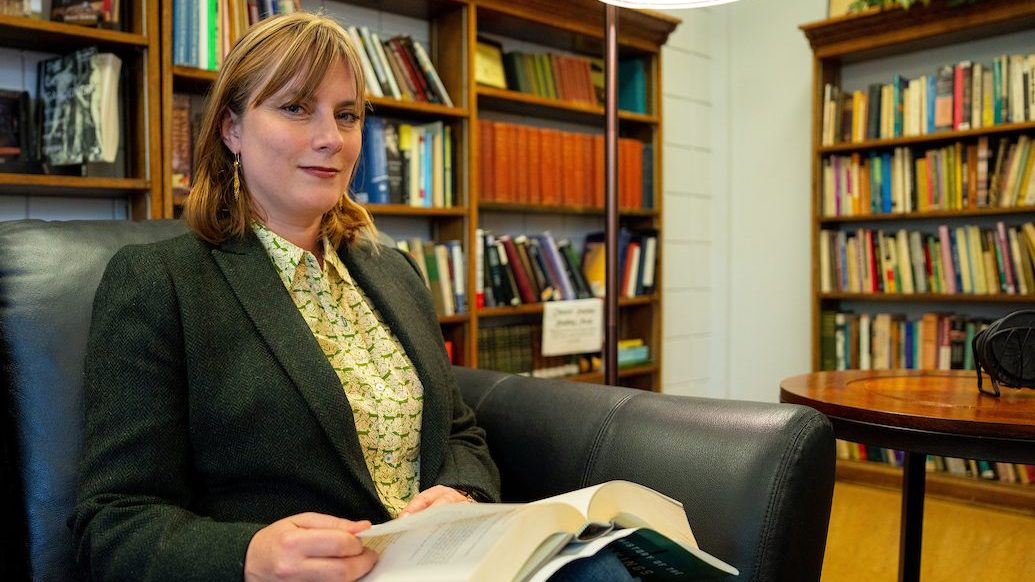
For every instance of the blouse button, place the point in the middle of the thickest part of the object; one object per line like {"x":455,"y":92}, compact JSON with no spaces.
{"x":388,"y":457}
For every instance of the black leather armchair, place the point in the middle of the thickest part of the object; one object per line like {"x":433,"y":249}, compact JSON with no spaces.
{"x":756,"y":479}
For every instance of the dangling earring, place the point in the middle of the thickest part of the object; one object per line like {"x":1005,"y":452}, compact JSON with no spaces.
{"x":237,"y":177}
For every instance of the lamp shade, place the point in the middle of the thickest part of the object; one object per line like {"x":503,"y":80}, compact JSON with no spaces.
{"x":673,"y":4}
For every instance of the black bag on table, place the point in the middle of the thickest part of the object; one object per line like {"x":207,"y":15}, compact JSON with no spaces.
{"x":1006,"y":351}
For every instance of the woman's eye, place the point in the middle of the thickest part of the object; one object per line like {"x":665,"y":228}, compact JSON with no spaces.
{"x":348,"y":117}
{"x":292,"y":108}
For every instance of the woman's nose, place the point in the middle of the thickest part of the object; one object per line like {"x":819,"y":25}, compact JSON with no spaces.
{"x":327,"y":134}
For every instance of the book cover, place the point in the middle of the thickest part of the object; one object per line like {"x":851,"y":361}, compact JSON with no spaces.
{"x":370,"y":184}
{"x":632,"y":85}
{"x":943,"y":101}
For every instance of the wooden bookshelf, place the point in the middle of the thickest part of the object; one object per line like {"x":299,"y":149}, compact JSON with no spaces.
{"x":453,"y":27}
{"x":136,"y":44}
{"x":872,"y":36}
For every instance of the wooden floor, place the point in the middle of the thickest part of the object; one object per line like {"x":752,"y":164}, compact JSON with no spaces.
{"x":962,"y":543}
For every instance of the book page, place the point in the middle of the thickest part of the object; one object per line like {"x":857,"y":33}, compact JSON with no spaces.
{"x":466,"y":541}
{"x":631,"y":505}
{"x":441,"y":543}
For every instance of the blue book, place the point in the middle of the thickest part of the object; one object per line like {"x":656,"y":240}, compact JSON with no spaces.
{"x":955,"y":259}
{"x":370,"y":184}
{"x":180,"y":32}
{"x":632,"y":85}
{"x":193,"y":56}
{"x":907,"y":345}
{"x":885,"y":183}
{"x":932,"y":90}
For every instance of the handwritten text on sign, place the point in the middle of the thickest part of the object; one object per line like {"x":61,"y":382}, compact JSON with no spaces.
{"x":573,"y":327}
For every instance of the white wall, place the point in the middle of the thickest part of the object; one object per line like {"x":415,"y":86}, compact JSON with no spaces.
{"x":737,"y":319}
{"x":691,"y":332}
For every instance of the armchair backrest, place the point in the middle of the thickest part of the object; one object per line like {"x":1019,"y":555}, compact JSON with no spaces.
{"x":49,"y":272}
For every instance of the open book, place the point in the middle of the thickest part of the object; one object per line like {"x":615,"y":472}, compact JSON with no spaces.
{"x":529,"y":542}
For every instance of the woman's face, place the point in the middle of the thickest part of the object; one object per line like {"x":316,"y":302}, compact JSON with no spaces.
{"x":297,"y":156}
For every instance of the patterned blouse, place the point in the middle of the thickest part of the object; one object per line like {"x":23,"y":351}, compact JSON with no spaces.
{"x":382,"y":387}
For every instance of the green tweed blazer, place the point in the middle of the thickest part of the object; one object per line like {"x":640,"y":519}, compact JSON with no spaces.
{"x":211,"y":410}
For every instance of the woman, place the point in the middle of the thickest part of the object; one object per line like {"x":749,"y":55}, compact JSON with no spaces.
{"x":261,"y":389}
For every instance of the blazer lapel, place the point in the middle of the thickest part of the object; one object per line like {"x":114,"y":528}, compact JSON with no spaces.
{"x":252,"y":277}
{"x":393,"y":296}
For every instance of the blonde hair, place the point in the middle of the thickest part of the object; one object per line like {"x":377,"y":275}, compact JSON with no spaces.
{"x":274,"y":53}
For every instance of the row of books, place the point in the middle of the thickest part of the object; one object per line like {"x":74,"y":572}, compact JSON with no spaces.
{"x":516,"y":270}
{"x":576,"y":79}
{"x":517,"y":349}
{"x":556,"y":76}
{"x":204,"y":30}
{"x":965,"y":259}
{"x":529,"y":165}
{"x":886,"y":341}
{"x":966,"y":95}
{"x":953,"y":177}
{"x":971,"y":468}
{"x":405,"y":163}
{"x":443,"y":269}
{"x":398,"y":67}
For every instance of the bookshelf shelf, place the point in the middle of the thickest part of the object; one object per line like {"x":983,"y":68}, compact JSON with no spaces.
{"x":524,"y":103}
{"x":390,"y":106}
{"x":454,"y":319}
{"x":929,"y":139}
{"x":597,"y":377}
{"x":34,"y":34}
{"x":927,"y":297}
{"x":404,"y":210}
{"x":573,"y":210}
{"x":48,"y":185}
{"x":929,"y":215}
{"x":1013,"y":496}
{"x":535,"y":308}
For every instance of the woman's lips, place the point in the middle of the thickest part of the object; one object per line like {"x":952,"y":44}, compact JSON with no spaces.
{"x":320,"y":172}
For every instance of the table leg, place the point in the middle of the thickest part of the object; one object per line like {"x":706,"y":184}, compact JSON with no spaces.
{"x":912,"y":516}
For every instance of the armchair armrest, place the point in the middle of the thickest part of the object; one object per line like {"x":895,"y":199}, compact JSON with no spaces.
{"x":756,"y":479}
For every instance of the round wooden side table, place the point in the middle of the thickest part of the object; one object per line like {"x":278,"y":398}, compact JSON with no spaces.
{"x":920,"y":413}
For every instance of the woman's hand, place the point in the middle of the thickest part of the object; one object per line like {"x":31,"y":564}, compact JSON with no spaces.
{"x":437,"y":495}
{"x":309,"y":546}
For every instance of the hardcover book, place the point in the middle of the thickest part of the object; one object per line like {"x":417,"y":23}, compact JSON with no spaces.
{"x":648,"y":531}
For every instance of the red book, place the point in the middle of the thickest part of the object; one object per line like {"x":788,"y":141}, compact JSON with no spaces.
{"x":599,"y":179}
{"x":576,"y":196}
{"x":521,"y":165}
{"x":552,"y":196}
{"x":501,"y":171}
{"x":569,"y":160}
{"x":524,"y":285}
{"x":486,"y":161}
{"x":535,"y":166}
{"x":409,"y":64}
{"x":587,"y":162}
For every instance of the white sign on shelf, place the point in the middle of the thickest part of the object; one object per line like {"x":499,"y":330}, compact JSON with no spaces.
{"x":573,"y":327}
